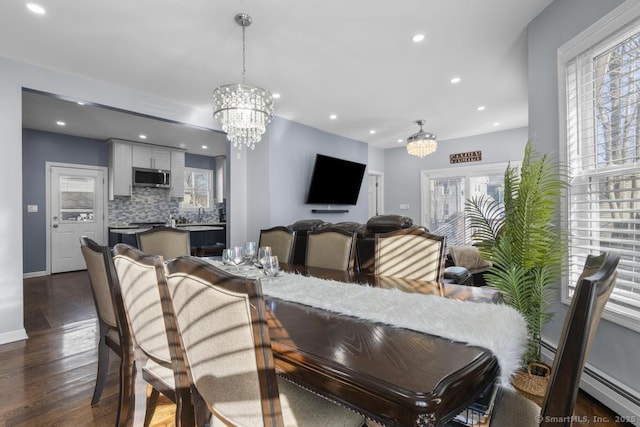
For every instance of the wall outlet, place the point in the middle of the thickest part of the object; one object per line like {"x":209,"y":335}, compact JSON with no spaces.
{"x":32,"y":208}
{"x":404,"y":206}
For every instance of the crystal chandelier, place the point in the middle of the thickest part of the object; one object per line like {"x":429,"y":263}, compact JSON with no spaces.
{"x":243,"y":111}
{"x":422,"y":143}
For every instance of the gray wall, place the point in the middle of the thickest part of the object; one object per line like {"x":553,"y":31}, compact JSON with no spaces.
{"x":39,"y":147}
{"x":402,"y":171}
{"x":292,"y":151}
{"x":376,"y":159}
{"x":615,"y":348}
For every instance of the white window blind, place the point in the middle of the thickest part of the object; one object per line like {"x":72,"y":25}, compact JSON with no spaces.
{"x":603,"y":156}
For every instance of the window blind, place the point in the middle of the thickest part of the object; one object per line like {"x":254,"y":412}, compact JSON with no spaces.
{"x":603,"y":156}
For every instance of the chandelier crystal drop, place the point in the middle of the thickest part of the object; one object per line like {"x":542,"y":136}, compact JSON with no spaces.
{"x":243,"y":111}
{"x":422,"y":143}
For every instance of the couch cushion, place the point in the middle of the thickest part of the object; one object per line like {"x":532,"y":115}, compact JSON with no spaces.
{"x":385,"y":223}
{"x":306,"y":224}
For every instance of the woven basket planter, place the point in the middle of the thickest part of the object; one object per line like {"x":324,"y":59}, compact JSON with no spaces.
{"x":532,"y":383}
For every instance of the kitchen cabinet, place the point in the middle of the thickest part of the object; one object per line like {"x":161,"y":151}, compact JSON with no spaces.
{"x":177,"y":174}
{"x":120,"y":168}
{"x":152,"y":157}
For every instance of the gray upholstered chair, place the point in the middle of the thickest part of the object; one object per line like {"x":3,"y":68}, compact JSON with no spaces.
{"x":167,"y":242}
{"x":332,"y":248}
{"x":591,"y":294}
{"x":410,"y":253}
{"x":102,"y":275}
{"x":138,"y":294}
{"x":281,"y":241}
{"x":223,"y":327}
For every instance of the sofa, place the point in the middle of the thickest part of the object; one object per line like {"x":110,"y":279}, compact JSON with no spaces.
{"x":365,"y":242}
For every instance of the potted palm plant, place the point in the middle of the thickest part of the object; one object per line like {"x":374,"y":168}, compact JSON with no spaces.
{"x":523,"y":241}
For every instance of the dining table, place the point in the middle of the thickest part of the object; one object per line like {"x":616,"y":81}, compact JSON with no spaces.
{"x":394,"y":376}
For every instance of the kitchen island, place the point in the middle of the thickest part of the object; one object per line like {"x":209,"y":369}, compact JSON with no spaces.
{"x":201,"y":234}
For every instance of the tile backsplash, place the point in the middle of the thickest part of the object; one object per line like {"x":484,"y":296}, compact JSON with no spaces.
{"x":148,"y":204}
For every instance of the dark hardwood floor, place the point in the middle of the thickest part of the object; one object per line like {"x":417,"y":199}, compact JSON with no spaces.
{"x":48,"y":379}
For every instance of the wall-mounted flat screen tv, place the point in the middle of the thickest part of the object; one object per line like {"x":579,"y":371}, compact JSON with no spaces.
{"x":335,"y":181}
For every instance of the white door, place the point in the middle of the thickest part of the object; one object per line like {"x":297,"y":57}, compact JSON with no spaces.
{"x":375,"y":194}
{"x":76,"y":197}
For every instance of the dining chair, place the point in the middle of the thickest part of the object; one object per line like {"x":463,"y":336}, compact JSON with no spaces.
{"x":410,"y":253}
{"x":222,"y":324}
{"x":102,"y":276}
{"x":592,"y":291}
{"x":281,"y":240}
{"x":332,"y":248}
{"x":169,"y":242}
{"x":137,"y":294}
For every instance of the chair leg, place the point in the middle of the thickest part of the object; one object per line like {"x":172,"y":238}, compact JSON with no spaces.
{"x":103,"y":367}
{"x":125,"y":393}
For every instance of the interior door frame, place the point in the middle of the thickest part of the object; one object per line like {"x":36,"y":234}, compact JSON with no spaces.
{"x":380,"y":176}
{"x":105,"y":201}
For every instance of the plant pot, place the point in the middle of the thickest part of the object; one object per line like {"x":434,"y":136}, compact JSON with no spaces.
{"x":531,"y":383}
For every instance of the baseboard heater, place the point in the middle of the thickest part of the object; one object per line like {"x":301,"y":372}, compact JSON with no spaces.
{"x":330,"y":211}
{"x":618,"y":397}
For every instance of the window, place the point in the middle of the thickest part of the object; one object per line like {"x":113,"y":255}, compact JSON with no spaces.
{"x":445,"y":192}
{"x":198,"y":189}
{"x":602,"y":149}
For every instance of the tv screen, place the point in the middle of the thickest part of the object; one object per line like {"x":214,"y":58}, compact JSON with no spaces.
{"x":335,"y":181}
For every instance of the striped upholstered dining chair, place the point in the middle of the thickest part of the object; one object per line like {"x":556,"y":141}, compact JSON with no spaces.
{"x":594,"y":286}
{"x":137,"y":298}
{"x":222,"y":324}
{"x":410,"y":253}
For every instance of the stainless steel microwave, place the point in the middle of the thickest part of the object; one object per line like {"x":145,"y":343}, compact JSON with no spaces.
{"x":159,"y":178}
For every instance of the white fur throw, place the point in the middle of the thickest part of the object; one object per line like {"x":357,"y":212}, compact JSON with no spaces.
{"x":496,"y":327}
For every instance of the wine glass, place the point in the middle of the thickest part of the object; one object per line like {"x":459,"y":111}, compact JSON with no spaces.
{"x":271,"y":266}
{"x":236,"y":256}
{"x":226,"y":257}
{"x":263,"y":253}
{"x":250,"y":249}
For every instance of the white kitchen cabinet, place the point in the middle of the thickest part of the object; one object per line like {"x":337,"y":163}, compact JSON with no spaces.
{"x":120,"y":168}
{"x":177,"y":174}
{"x":152,"y":157}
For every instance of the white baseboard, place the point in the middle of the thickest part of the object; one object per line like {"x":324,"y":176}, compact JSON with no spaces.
{"x":11,"y":336}
{"x":34,"y":274}
{"x":620,"y":398}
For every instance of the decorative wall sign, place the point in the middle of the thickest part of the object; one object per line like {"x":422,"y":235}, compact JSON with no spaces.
{"x":470,"y":156}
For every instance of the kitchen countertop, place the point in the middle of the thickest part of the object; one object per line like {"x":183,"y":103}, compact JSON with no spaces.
{"x":189,"y":227}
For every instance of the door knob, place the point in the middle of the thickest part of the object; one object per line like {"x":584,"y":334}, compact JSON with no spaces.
{"x":55,"y":225}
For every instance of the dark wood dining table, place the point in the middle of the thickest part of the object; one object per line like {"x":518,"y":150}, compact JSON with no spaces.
{"x":394,"y":376}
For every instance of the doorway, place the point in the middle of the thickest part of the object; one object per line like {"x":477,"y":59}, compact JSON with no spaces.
{"x":76,"y":206}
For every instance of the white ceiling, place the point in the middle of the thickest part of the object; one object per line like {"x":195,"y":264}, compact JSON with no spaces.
{"x":351,"y":58}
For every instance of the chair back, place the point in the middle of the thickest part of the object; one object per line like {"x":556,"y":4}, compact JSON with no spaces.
{"x":101,"y":276}
{"x":138,"y":276}
{"x":410,"y":253}
{"x":332,"y":248}
{"x":594,"y":286}
{"x":167,"y":242}
{"x":222,"y":324}
{"x":281,"y":240}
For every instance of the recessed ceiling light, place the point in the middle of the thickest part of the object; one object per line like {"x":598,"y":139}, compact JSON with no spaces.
{"x":417,"y":38}
{"x":496,"y":124}
{"x":372,"y":131}
{"x":143,"y":136}
{"x":333,"y":117}
{"x":60,"y":123}
{"x":182,"y":145}
{"x":80,"y":103}
{"x":455,"y":80}
{"x":481,"y":108}
{"x":205,"y":147}
{"x":400,"y":140}
{"x":276,"y":96}
{"x":36,"y":8}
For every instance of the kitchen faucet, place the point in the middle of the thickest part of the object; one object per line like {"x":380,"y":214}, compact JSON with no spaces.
{"x":200,"y":214}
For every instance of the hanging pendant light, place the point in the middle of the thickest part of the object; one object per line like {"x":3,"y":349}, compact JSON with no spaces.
{"x":243,"y":111}
{"x":422,"y":143}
